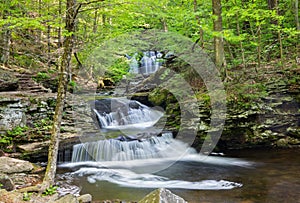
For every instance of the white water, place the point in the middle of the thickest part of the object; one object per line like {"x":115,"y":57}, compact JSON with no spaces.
{"x":128,"y":178}
{"x":149,"y":63}
{"x":115,"y":150}
{"x":132,"y":117}
{"x":132,"y":163}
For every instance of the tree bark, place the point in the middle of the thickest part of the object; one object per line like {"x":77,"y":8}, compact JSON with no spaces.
{"x":6,"y":45}
{"x":218,"y":40}
{"x":59,"y":43}
{"x":164,"y":24}
{"x":6,"y":37}
{"x":71,"y":12}
{"x":297,"y":15}
{"x":95,"y":25}
{"x":201,"y":38}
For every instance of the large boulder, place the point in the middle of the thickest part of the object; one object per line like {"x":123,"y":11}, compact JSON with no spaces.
{"x":162,"y":195}
{"x":10,"y":165}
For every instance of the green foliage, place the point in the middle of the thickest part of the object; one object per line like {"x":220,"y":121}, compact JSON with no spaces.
{"x":1,"y":185}
{"x":51,"y":190}
{"x":15,"y":135}
{"x":5,"y":140}
{"x":27,"y":196}
{"x":72,"y":86}
{"x":41,"y":76}
{"x":17,"y":131}
{"x":117,"y":70}
{"x":43,"y":125}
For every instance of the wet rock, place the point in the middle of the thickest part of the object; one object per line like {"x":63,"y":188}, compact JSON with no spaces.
{"x":86,"y":198}
{"x":162,"y":195}
{"x":10,"y":165}
{"x":6,"y":182}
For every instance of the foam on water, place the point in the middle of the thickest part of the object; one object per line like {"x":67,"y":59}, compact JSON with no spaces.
{"x":128,"y":178}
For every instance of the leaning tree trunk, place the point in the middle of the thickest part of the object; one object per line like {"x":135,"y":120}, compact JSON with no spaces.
{"x":71,"y":12}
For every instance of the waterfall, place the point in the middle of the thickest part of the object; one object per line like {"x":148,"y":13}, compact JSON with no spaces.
{"x":164,"y":146}
{"x":124,"y":113}
{"x":149,"y":63}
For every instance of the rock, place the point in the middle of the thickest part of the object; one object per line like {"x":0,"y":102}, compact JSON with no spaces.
{"x":67,"y":199}
{"x":1,"y":153}
{"x":162,"y":195}
{"x":11,"y":114}
{"x":283,"y":142}
{"x":8,"y":82}
{"x":86,"y":198}
{"x":6,"y":182}
{"x":10,"y":165}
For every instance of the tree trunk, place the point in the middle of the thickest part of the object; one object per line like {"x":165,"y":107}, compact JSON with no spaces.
{"x":6,"y":37}
{"x":258,"y":47}
{"x":6,"y":45}
{"x":218,"y":40}
{"x":71,"y":12}
{"x":59,"y":43}
{"x":297,"y":15}
{"x":201,"y":39}
{"x":164,"y":24}
{"x":95,"y":25}
{"x":238,"y":29}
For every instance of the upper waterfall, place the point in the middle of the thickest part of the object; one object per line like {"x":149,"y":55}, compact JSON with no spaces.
{"x":123,"y":113}
{"x":149,"y":63}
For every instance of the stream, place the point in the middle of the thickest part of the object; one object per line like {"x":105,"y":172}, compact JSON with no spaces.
{"x":129,"y":166}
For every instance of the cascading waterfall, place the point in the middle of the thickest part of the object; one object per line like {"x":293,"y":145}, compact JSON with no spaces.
{"x":149,"y":63}
{"x":115,"y":150}
{"x":130,"y":161}
{"x":126,"y":114}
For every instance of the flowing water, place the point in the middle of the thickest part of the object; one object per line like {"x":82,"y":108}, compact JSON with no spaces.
{"x":129,"y":167}
{"x":150,"y":62}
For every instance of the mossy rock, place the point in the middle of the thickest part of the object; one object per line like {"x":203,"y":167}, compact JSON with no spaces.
{"x":162,"y":195}
{"x":158,"y":97}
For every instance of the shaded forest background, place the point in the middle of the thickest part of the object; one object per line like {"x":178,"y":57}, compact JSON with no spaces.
{"x":236,"y":33}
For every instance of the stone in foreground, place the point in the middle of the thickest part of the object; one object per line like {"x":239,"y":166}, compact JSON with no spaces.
{"x":10,"y":165}
{"x":162,"y":195}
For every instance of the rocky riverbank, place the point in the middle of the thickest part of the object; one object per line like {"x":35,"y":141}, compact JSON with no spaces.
{"x":269,"y":117}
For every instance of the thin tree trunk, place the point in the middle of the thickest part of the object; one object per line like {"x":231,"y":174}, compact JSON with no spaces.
{"x":59,"y":43}
{"x":297,"y":15}
{"x":6,"y":45}
{"x":164,"y":25}
{"x":218,"y":40}
{"x":281,"y":47}
{"x":259,"y":47}
{"x":6,"y":40}
{"x":48,"y":43}
{"x":39,"y":37}
{"x":201,"y":38}
{"x":71,"y":12}
{"x":95,"y":26}
{"x":238,"y":29}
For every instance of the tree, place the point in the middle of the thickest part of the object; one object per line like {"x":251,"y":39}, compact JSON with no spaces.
{"x":71,"y":13}
{"x":218,"y":39}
